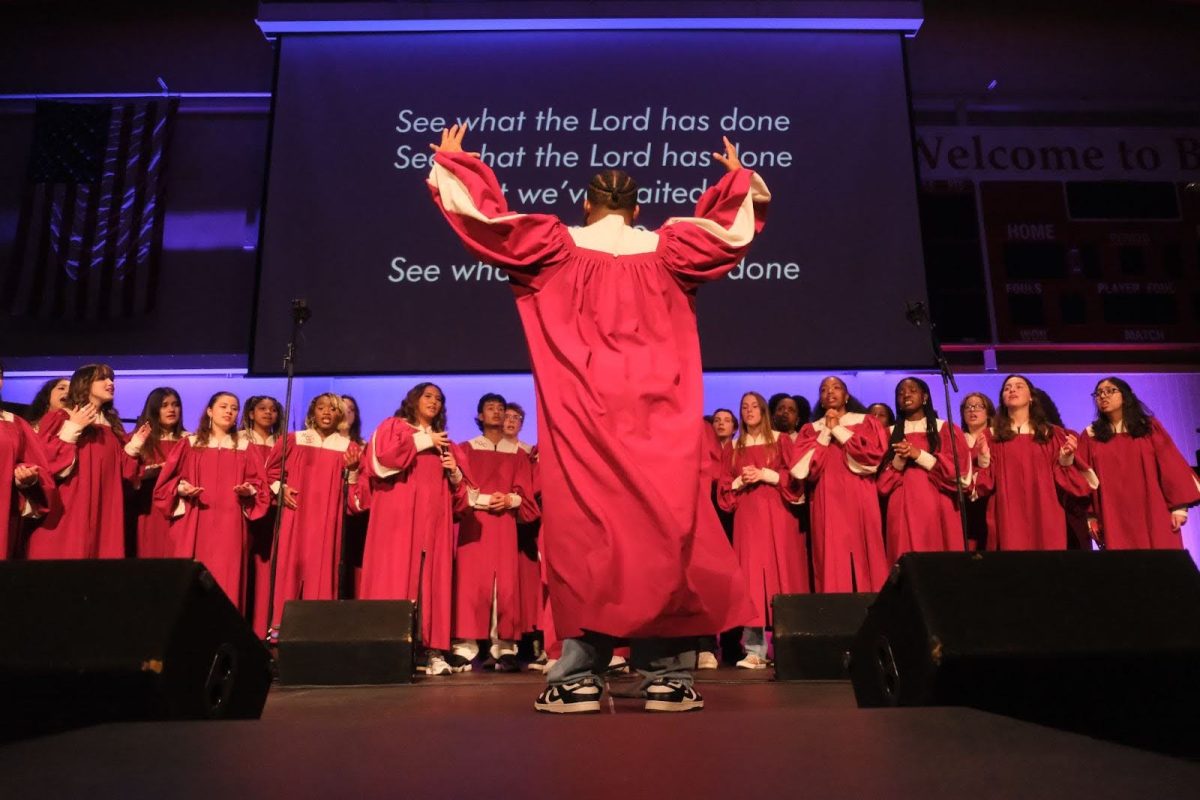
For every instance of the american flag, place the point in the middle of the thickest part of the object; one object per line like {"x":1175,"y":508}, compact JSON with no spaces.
{"x":89,"y":239}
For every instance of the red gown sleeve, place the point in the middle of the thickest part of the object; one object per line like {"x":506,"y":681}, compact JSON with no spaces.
{"x":393,"y":448}
{"x":707,"y":246}
{"x":727,"y":498}
{"x":865,"y":448}
{"x":942,"y":473}
{"x":808,"y":454}
{"x":255,"y":506}
{"x":1070,"y":479}
{"x":174,"y":469}
{"x":60,"y":455}
{"x":889,"y":478}
{"x":41,"y":496}
{"x":1179,"y":484}
{"x":529,"y":510}
{"x":471,"y":199}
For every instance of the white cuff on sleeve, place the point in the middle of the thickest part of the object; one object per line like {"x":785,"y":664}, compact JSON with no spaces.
{"x":842,"y":433}
{"x":737,"y":484}
{"x":456,"y":477}
{"x":422,"y":440}
{"x":800,"y":471}
{"x":352,"y":477}
{"x":70,"y":431}
{"x":514,"y":500}
{"x":926,"y":460}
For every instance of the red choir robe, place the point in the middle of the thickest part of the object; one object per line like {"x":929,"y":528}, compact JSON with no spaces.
{"x":21,"y":447}
{"x":922,"y":510}
{"x":153,"y":528}
{"x":1136,"y":485}
{"x":310,"y":536}
{"x":839,"y":467}
{"x":90,"y":466}
{"x":259,"y":533}
{"x":410,"y":538}
{"x":211,"y":527}
{"x":632,"y":548}
{"x":766,"y":536}
{"x":531,"y":587}
{"x":976,"y":504}
{"x":486,"y":561}
{"x":1023,"y":479}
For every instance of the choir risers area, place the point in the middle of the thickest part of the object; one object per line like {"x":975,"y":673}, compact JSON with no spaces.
{"x":476,"y":735}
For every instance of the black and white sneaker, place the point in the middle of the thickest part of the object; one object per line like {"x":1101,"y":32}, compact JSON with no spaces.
{"x":458,"y":663}
{"x":672,"y":695}
{"x":507,"y":663}
{"x":581,"y":697}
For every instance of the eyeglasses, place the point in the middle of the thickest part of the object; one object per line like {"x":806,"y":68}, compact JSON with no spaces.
{"x":1107,"y":391}
{"x":975,"y":407}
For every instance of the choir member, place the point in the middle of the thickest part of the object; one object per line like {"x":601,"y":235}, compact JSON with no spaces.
{"x":163,"y":412}
{"x":785,"y":415}
{"x":51,"y":395}
{"x":415,"y":483}
{"x":320,"y":461}
{"x":770,"y":549}
{"x":354,"y":526}
{"x":1075,"y":508}
{"x":1031,"y":462}
{"x":262,"y":422}
{"x":882,"y":412}
{"x":532,"y":581}
{"x":632,"y":545}
{"x":30,"y":491}
{"x":725,"y":426}
{"x":1144,"y":485}
{"x":838,"y":456}
{"x":209,"y":487}
{"x":975,"y":414}
{"x":91,"y":457}
{"x":487,"y":598}
{"x":919,"y":477}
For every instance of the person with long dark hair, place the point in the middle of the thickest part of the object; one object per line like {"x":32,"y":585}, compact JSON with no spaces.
{"x":975,"y":414}
{"x":755,"y":488}
{"x":1032,"y":462}
{"x":163,"y":412}
{"x":785,"y":415}
{"x":1143,"y":485}
{"x":919,"y":477}
{"x":262,"y":422}
{"x":321,"y":459}
{"x":633,"y":548}
{"x":882,"y":412}
{"x":415,"y":483}
{"x":52,"y":394}
{"x":837,"y":456}
{"x":210,"y":487}
{"x":30,"y":491}
{"x":91,"y":458}
{"x":354,"y":526}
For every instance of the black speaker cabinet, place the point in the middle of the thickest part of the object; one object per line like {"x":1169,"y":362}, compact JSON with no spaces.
{"x":343,"y":642}
{"x":93,"y":641}
{"x":813,"y":633}
{"x":1106,"y":644}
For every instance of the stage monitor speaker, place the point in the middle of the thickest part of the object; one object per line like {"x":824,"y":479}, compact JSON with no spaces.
{"x":95,"y":641}
{"x":813,"y":633}
{"x":344,"y":642}
{"x":1106,"y":644}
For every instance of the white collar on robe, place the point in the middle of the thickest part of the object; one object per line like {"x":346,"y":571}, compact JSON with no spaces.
{"x":1117,"y":427}
{"x":847,"y":419}
{"x":6,"y":416}
{"x":334,"y":441}
{"x":481,"y":442}
{"x":917,"y":426}
{"x":418,"y":428}
{"x":611,"y":235}
{"x":253,"y":438}
{"x":752,"y":439}
{"x":232,"y":443}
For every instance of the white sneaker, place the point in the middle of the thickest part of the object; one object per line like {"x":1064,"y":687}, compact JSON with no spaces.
{"x":438,"y":666}
{"x":706,"y":660}
{"x":752,"y":661}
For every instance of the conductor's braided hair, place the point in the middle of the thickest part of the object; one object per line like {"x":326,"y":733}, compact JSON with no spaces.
{"x":613,"y":189}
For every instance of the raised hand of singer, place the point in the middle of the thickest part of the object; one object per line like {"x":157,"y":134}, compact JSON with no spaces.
{"x":452,"y":138}
{"x":1070,"y":445}
{"x":728,"y":159}
{"x":83,"y":415}
{"x":140,"y":435}
{"x":441,"y":439}
{"x":352,"y":457}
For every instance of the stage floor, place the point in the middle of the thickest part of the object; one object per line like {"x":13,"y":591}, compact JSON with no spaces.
{"x":475,"y":735}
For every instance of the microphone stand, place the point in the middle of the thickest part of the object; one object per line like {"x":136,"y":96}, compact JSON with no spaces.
{"x":300,"y":315}
{"x":918,"y":315}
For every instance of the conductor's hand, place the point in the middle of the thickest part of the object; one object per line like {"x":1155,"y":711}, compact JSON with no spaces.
{"x":729,"y":160}
{"x":452,"y":140}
